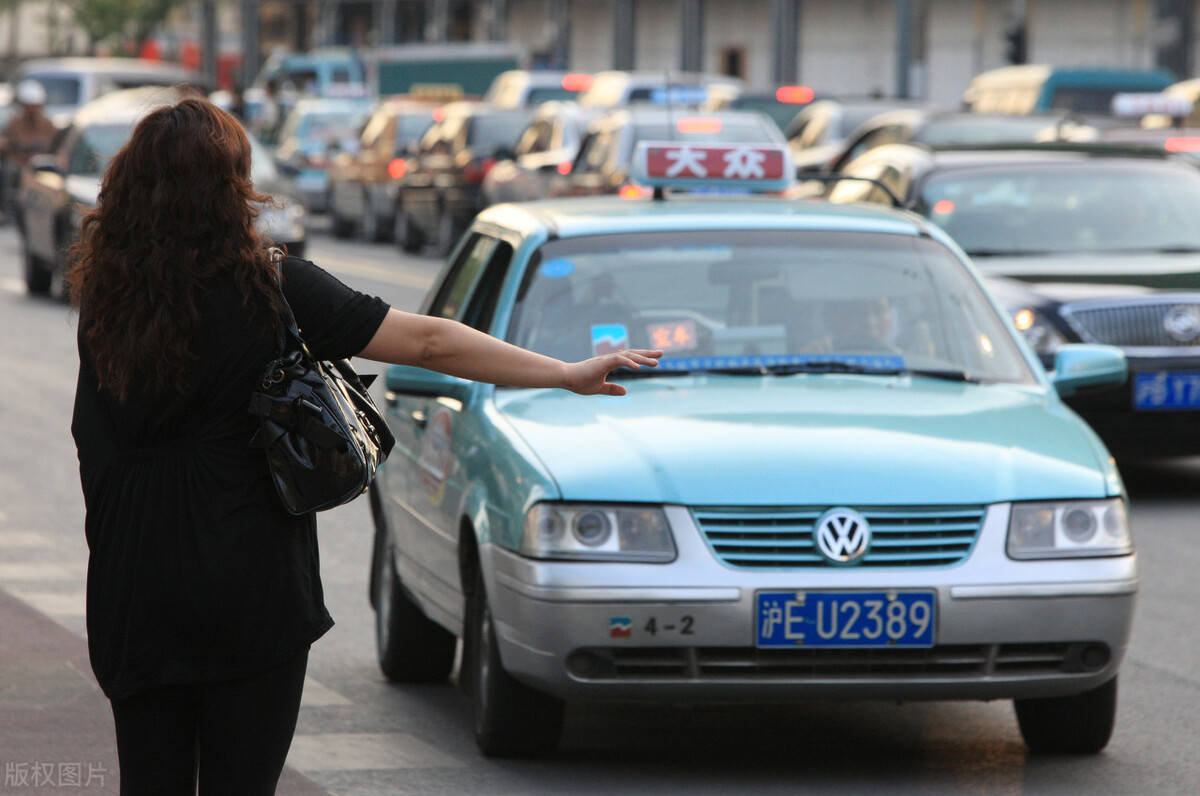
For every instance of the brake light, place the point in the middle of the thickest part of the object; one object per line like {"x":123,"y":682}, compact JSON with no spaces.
{"x":577,"y":81}
{"x":1182,"y":144}
{"x":794,"y":94}
{"x":439,"y":114}
{"x":564,"y":167}
{"x":943,"y":207}
{"x":629,"y":191}
{"x":397,"y":168}
{"x":699,"y":124}
{"x":475,"y":171}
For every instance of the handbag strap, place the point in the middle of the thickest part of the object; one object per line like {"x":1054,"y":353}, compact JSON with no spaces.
{"x":289,"y":327}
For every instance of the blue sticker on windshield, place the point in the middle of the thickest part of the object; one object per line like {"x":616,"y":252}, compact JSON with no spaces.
{"x":609,"y":337}
{"x":556,"y":269}
{"x":867,"y":361}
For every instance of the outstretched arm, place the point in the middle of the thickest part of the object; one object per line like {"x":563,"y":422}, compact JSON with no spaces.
{"x":455,"y":348}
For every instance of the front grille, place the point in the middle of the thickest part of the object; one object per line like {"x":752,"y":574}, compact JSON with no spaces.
{"x":782,"y":538}
{"x":1132,"y":324}
{"x":749,"y":663}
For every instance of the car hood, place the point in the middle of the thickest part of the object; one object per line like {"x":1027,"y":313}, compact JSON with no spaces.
{"x":83,"y":189}
{"x":1137,"y":272}
{"x":811,"y":440}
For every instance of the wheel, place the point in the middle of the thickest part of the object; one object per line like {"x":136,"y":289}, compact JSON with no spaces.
{"x":342,"y":228}
{"x":446,"y":235}
{"x":37,"y":275}
{"x":1080,"y":724}
{"x":411,"y":647}
{"x":405,"y":233}
{"x":511,"y":719}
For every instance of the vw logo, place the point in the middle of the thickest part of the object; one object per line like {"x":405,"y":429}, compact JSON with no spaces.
{"x":843,"y":536}
{"x":1182,"y":323}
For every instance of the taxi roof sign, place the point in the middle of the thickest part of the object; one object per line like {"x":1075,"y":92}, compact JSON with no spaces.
{"x":1141,"y":104}
{"x":686,"y":165}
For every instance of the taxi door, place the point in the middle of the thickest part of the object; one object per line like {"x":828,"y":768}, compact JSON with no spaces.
{"x":440,"y":433}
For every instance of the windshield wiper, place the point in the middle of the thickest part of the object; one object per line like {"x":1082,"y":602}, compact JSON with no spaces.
{"x":947,"y":374}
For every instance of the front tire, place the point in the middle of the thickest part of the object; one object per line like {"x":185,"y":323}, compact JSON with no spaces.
{"x":411,"y":647}
{"x":37,"y":275}
{"x":510,"y":718}
{"x":1080,"y":724}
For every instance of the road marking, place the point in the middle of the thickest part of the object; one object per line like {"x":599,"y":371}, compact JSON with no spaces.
{"x":22,"y":538}
{"x":318,"y":695}
{"x":55,"y":604}
{"x":10,"y":285}
{"x":34,"y":570}
{"x":365,"y":751}
{"x":336,"y":263}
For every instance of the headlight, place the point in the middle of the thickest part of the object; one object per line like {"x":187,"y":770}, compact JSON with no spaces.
{"x":1039,"y":332}
{"x":1069,"y":529}
{"x":597,"y":532}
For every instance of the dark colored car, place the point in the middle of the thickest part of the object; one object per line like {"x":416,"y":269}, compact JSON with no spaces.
{"x":545,"y":150}
{"x":58,"y":187}
{"x":441,"y":190}
{"x":605,"y":156}
{"x":1084,"y":244}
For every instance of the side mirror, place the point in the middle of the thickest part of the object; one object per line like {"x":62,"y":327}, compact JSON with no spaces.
{"x":1077,"y":366}
{"x":45,"y":162}
{"x":419,"y":381}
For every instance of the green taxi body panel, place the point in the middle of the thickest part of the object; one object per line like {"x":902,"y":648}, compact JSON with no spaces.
{"x":720,"y":440}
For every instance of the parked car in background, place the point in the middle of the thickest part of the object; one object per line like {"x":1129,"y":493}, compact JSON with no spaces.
{"x":363,"y":184}
{"x":618,"y":89}
{"x":440,"y":191}
{"x":58,"y":187}
{"x":314,"y":131}
{"x":545,"y":150}
{"x":71,"y":83}
{"x":848,"y":477}
{"x":523,"y":88}
{"x":1029,"y":88}
{"x":781,"y":105}
{"x":1181,"y":141}
{"x":1082,"y":244}
{"x":605,"y":158}
{"x":818,"y":133}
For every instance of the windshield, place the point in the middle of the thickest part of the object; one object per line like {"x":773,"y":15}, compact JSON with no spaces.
{"x":720,"y":300}
{"x":548,"y":93}
{"x":941,"y":132}
{"x":59,"y":90}
{"x":96,"y":146}
{"x":488,"y":131}
{"x":325,"y":125}
{"x":1084,"y":207}
{"x":410,"y":128}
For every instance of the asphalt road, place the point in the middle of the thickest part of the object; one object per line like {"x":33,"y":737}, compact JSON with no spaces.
{"x":360,"y":735}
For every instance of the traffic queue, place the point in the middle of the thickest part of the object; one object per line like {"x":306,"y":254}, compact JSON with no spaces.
{"x":901,"y":346}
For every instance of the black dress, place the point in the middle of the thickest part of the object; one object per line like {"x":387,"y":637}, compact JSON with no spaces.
{"x":196,"y":573}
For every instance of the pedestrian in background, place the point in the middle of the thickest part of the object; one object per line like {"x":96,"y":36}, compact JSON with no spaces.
{"x":29,"y":132}
{"x":203,"y":593}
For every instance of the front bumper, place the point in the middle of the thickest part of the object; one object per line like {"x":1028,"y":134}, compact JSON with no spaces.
{"x":1005,"y":629}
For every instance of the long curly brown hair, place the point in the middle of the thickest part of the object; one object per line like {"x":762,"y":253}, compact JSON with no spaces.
{"x":176,"y":209}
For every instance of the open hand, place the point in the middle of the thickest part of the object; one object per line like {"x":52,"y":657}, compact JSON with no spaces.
{"x":590,"y":377}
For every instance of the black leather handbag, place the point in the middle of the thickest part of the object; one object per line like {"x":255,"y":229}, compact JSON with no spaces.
{"x":323,"y":436}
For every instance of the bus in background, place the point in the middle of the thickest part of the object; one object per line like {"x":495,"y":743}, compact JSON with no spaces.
{"x":1030,"y":88}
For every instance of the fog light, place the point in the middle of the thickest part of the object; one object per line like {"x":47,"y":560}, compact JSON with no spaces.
{"x":1095,"y":656}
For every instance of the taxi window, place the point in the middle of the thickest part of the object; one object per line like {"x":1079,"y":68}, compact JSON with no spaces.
{"x":720,"y":298}
{"x":595,"y":151}
{"x":375,"y":127}
{"x":410,"y":128}
{"x":452,"y":297}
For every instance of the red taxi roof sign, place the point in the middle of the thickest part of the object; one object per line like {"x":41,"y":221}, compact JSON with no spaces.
{"x":687,"y":165}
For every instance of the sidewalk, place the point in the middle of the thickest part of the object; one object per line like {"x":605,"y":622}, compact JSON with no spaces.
{"x":56,"y":730}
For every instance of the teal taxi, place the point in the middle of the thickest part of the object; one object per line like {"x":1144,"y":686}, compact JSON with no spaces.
{"x":848,"y":478}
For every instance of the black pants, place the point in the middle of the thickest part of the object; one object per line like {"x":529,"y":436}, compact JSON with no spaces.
{"x":233,"y":735}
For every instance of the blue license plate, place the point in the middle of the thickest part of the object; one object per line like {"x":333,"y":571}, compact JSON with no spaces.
{"x":845,"y":619}
{"x":1166,"y":389}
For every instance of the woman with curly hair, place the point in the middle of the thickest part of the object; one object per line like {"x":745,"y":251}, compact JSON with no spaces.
{"x":203,"y":593}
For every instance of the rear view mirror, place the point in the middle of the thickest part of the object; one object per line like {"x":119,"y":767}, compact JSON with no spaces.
{"x":1078,"y":366}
